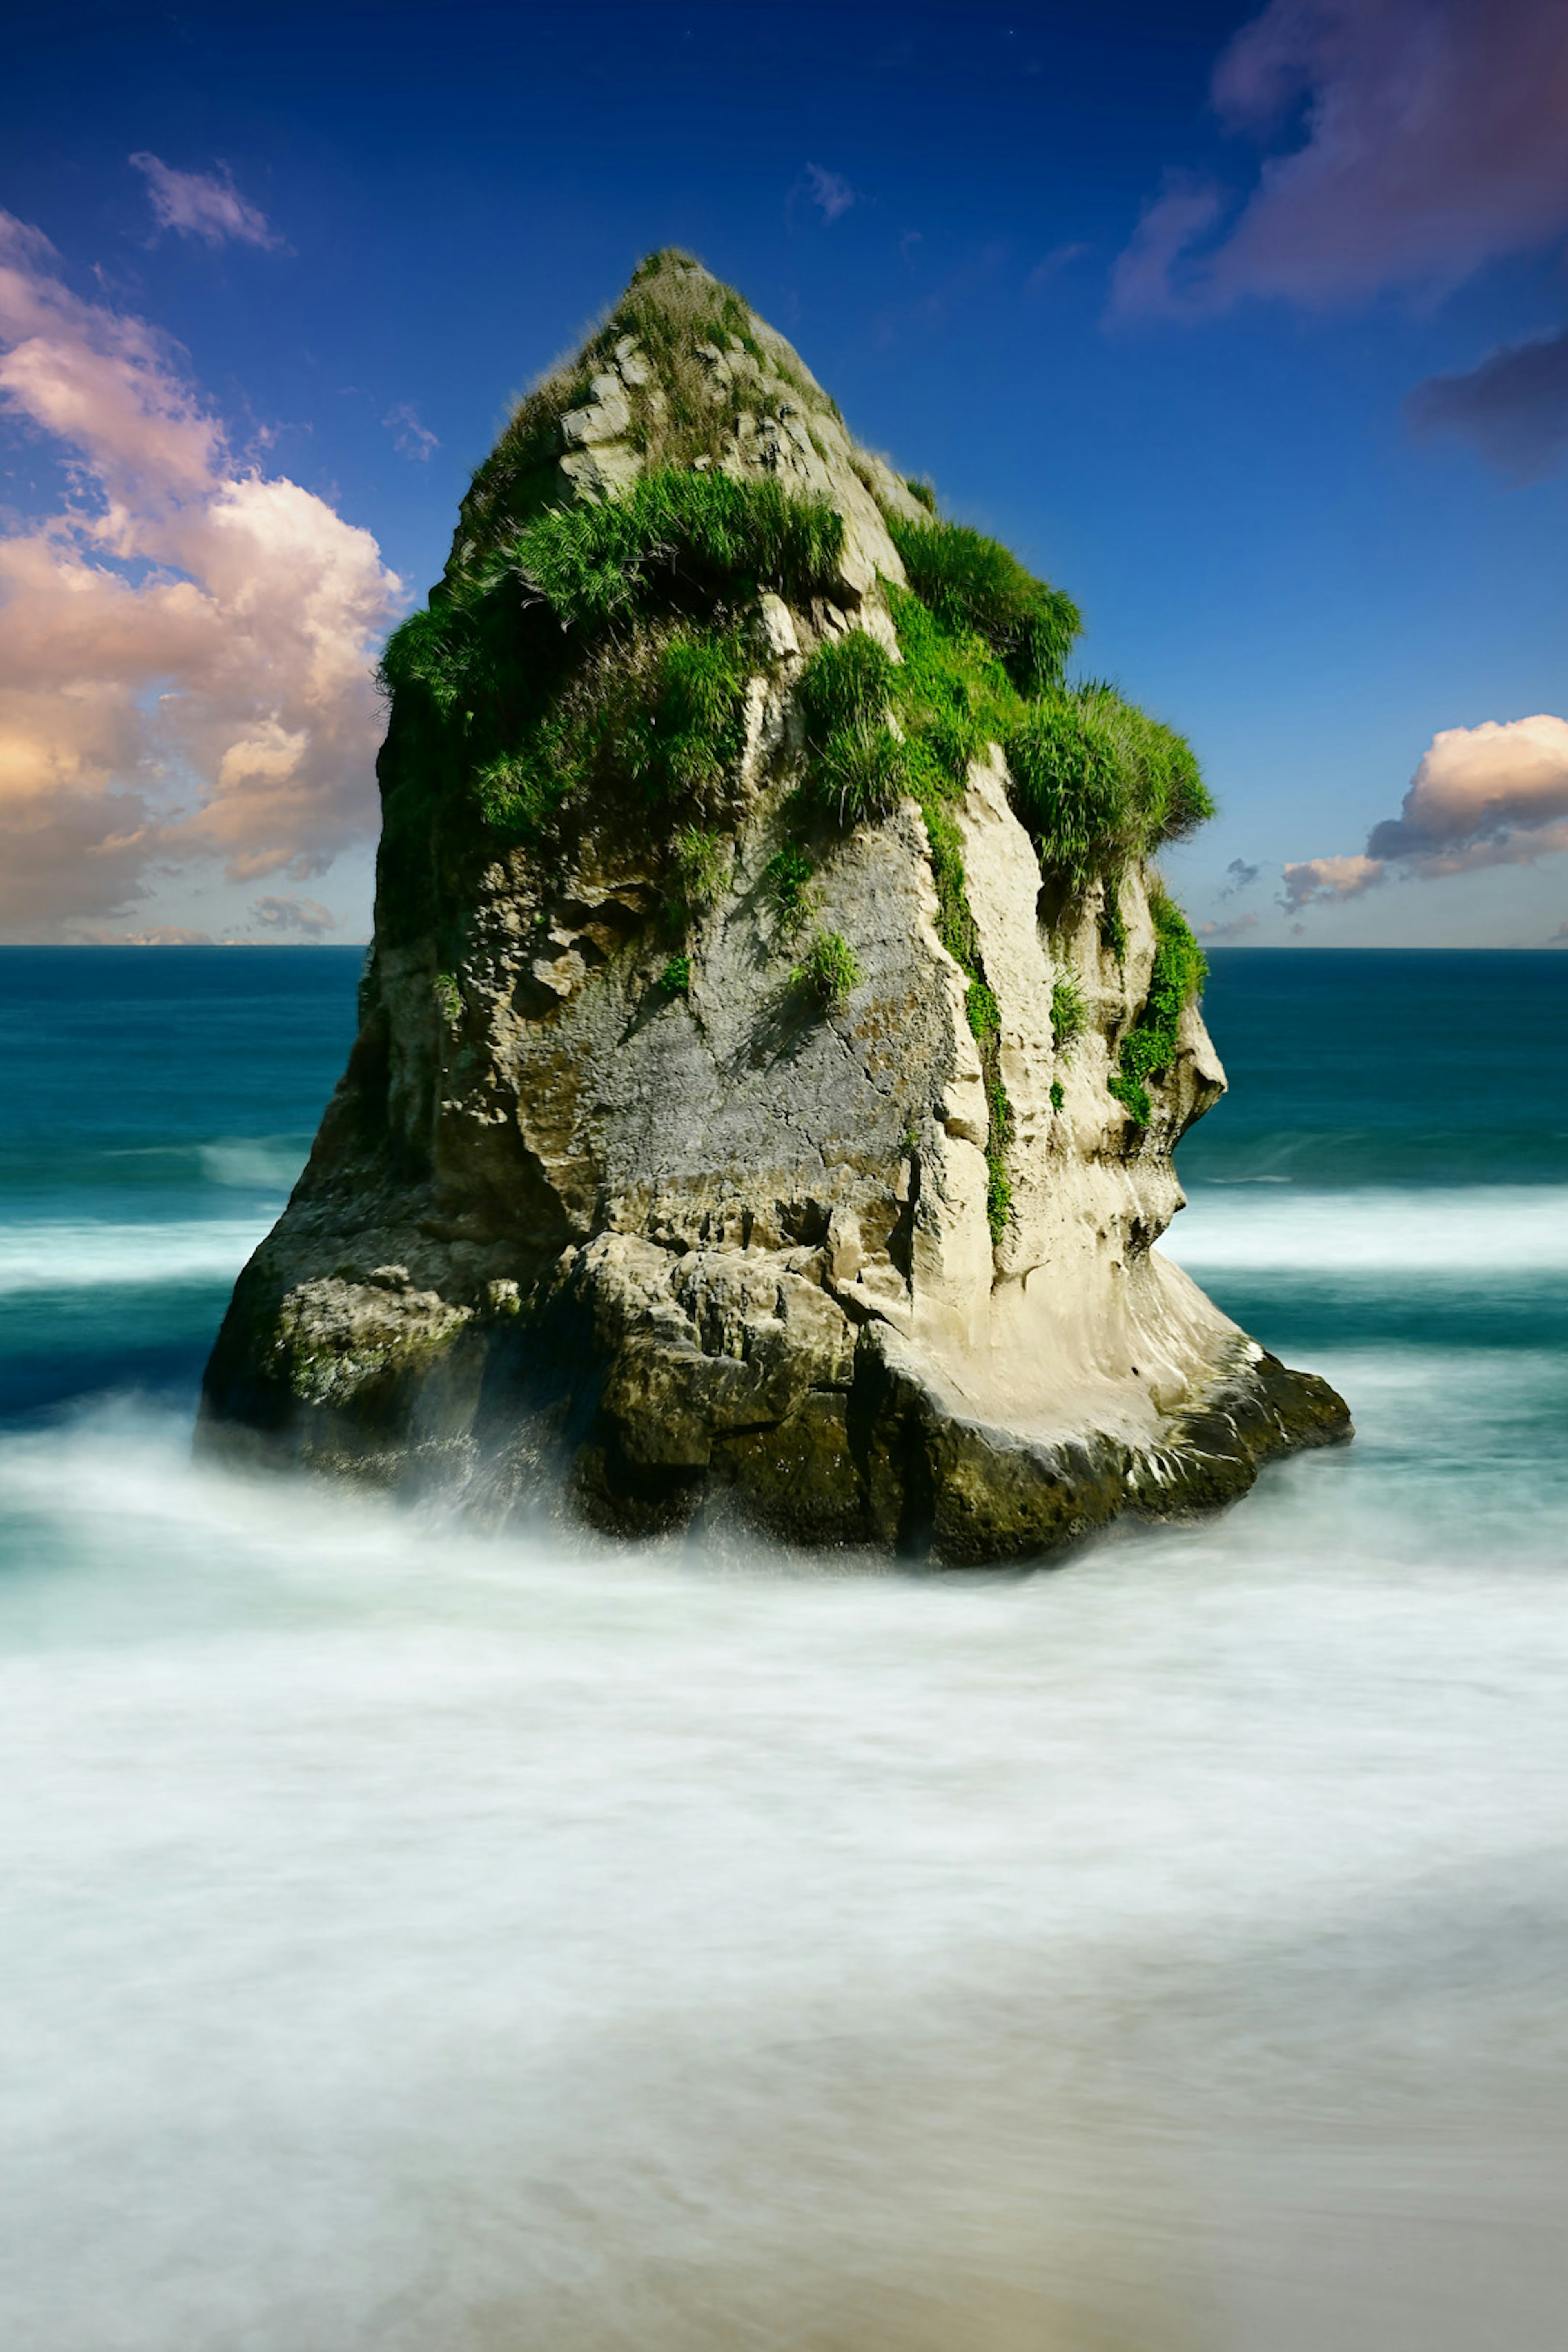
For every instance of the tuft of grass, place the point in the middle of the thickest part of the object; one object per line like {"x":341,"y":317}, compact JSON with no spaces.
{"x":923,"y":491}
{"x":830,"y":970}
{"x":1100,"y":784}
{"x":1070,"y":1013}
{"x":1150,"y":1045}
{"x":787,"y":880}
{"x":859,"y":775}
{"x":448,"y":999}
{"x":972,"y":583}
{"x":675,"y":980}
{"x":590,"y":563}
{"x":700,"y":861}
{"x":847,"y":682}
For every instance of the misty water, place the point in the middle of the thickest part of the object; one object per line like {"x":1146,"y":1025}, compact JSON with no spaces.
{"x":419,"y":1941}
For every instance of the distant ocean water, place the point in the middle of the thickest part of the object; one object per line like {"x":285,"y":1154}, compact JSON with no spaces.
{"x":436,"y":1943}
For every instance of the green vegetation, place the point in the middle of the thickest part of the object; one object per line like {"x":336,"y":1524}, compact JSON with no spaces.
{"x":1149,"y":1047}
{"x":1070,"y":1013}
{"x":787,"y":881}
{"x":922,"y":492}
{"x":973,"y":584}
{"x":828,"y":970}
{"x":448,"y":999}
{"x":855,"y":768}
{"x":701,"y":862}
{"x":1058,"y":1094}
{"x":593,"y":562}
{"x":675,"y":980}
{"x":1100,"y":784}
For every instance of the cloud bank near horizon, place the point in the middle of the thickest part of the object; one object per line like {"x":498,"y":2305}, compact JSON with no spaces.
{"x":186,"y":661}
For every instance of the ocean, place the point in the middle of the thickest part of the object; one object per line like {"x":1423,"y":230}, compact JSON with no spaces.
{"x":436,"y":1943}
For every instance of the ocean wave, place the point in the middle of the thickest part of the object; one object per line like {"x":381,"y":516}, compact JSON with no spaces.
{"x":1469,"y":1229}
{"x":47,"y":1254}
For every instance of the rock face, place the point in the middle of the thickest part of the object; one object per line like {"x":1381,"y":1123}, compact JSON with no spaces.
{"x":622,"y":1202}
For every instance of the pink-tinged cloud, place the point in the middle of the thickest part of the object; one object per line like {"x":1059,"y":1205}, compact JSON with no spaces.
{"x":306,"y":915}
{"x":204,"y":204}
{"x":1496,"y":794}
{"x":1434,"y":142}
{"x":1330,"y":877}
{"x":1219,"y":935}
{"x":212,"y":703}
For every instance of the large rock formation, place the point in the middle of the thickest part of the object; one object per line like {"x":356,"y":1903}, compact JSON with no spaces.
{"x":775,"y":1037}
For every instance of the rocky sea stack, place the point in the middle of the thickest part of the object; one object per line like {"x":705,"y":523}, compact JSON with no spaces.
{"x":776,"y":1035}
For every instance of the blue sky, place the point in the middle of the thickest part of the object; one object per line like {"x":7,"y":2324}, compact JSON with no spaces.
{"x":1151,"y":292}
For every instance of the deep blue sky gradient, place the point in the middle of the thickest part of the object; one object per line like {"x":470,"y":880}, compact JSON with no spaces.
{"x":1264,"y":554}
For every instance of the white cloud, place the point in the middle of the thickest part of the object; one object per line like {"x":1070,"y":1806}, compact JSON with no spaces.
{"x":186,"y":660}
{"x":204,"y":204}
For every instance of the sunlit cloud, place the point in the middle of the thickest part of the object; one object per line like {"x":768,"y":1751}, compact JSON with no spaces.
{"x":1330,"y":877}
{"x":1433,"y":144}
{"x":202,"y":204}
{"x":185,"y":662}
{"x":1219,"y":935}
{"x":1496,"y":794}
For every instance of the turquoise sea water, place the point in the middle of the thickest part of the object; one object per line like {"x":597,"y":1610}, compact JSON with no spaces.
{"x":424,"y":1942}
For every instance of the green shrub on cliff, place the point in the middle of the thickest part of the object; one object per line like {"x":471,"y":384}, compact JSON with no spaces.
{"x":830,"y":970}
{"x":592,"y":562}
{"x":1150,"y":1045}
{"x":1100,"y":784}
{"x":972,"y":583}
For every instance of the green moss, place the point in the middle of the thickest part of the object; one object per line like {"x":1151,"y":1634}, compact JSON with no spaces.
{"x":1150,"y":1045}
{"x":950,"y":690}
{"x":1058,"y":1094}
{"x":830,"y":970}
{"x":675,"y":980}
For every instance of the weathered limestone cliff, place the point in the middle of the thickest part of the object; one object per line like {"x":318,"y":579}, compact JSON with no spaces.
{"x":776,"y":1035}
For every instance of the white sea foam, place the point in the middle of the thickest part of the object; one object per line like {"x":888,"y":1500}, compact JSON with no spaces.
{"x":424,"y":1942}
{"x":1473,"y":1229}
{"x":46,"y":1255}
